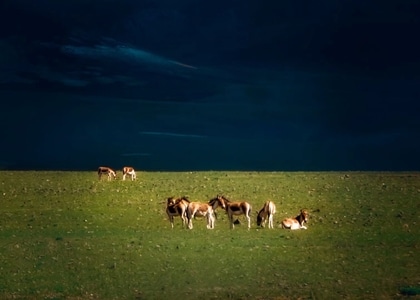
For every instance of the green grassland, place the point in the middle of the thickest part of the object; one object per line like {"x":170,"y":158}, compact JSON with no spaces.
{"x":67,"y":235}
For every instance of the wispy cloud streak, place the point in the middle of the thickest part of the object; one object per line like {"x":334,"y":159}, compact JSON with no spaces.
{"x":122,"y":53}
{"x":172,"y":134}
{"x":136,"y":154}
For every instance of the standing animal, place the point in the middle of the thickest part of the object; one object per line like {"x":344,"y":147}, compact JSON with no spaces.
{"x":129,"y":171}
{"x":297,"y":222}
{"x":266,"y":213}
{"x":107,"y":171}
{"x":198,"y":209}
{"x":177,"y":207}
{"x":236,"y":208}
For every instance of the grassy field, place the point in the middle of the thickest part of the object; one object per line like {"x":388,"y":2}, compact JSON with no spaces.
{"x":66,"y":235}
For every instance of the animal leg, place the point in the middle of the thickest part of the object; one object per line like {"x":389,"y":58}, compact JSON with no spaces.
{"x":184,"y":222}
{"x":249,"y":221}
{"x":171,"y":219}
{"x":190,"y":216}
{"x":270,"y":221}
{"x":232,"y":225}
{"x":210,"y":221}
{"x":190,"y":224}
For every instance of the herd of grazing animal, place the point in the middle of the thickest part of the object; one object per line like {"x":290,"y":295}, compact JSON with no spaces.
{"x":188,"y":210}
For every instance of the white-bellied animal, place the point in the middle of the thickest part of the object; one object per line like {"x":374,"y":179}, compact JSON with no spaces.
{"x":199,"y":209}
{"x":266,"y":213}
{"x":108,"y":172}
{"x":177,"y":207}
{"x":129,"y":171}
{"x":297,"y":222}
{"x":235,"y":209}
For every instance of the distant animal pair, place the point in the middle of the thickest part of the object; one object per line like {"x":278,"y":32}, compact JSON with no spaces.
{"x":268,"y":211}
{"x":111,"y":174}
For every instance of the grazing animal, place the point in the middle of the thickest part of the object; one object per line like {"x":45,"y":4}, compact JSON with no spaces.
{"x":129,"y":171}
{"x":107,"y":171}
{"x":177,"y":207}
{"x":198,"y":209}
{"x":297,"y":222}
{"x":236,"y":208}
{"x":266,"y":213}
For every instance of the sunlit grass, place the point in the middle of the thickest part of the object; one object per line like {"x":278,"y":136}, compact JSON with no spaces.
{"x":67,"y":235}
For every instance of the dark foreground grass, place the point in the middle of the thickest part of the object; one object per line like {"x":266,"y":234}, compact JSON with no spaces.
{"x":67,"y":235}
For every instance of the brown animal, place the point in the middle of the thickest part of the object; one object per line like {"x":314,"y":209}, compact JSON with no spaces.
{"x":177,"y":207}
{"x":266,"y":213}
{"x":235,"y":208}
{"x":129,"y":171}
{"x":297,"y":222}
{"x":198,"y":209}
{"x":106,"y":171}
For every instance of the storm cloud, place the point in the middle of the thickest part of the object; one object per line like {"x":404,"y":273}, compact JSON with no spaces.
{"x":232,"y":85}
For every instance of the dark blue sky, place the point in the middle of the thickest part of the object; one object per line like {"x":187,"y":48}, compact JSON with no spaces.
{"x":210,"y":85}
